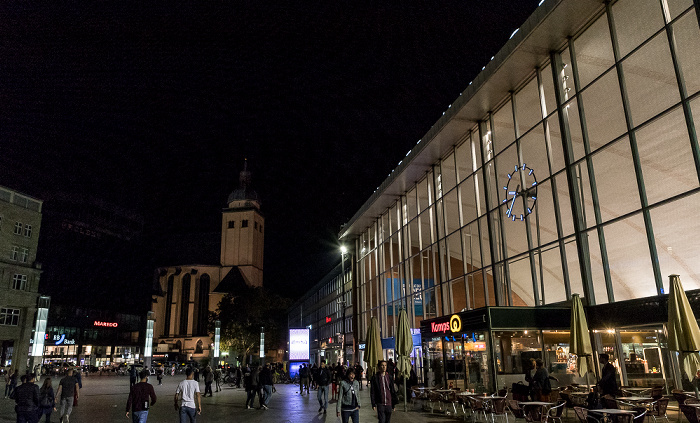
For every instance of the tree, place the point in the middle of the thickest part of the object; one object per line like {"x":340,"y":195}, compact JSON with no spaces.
{"x":243,"y":313}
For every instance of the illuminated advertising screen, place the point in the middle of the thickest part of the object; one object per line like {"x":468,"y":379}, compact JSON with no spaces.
{"x":298,"y":344}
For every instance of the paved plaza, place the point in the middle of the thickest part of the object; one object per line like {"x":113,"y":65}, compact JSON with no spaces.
{"x":103,"y":399}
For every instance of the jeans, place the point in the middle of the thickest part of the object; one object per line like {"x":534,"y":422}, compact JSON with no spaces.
{"x":66,"y":407}
{"x":267,"y":394}
{"x":139,"y":416}
{"x":207,"y":388}
{"x":384,"y":413}
{"x":323,"y":396}
{"x":188,"y":415}
{"x":250,"y":400}
{"x":345,"y":416}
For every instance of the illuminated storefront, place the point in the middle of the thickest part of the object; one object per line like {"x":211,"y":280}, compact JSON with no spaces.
{"x":93,"y":337}
{"x":570,"y":164}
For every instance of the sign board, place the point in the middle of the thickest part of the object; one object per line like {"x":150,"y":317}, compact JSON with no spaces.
{"x":298,"y":344}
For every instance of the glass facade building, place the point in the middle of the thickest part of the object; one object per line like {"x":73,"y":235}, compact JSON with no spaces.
{"x":569,"y":165}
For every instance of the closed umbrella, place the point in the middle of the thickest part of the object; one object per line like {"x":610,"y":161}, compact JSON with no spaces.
{"x":373,"y":348}
{"x":404,"y":346}
{"x":683,"y":331}
{"x":580,"y":339}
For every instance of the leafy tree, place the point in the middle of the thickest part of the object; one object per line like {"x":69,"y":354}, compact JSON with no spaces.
{"x":243,"y":313}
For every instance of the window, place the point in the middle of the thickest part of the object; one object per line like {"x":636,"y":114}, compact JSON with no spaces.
{"x":261,"y":228}
{"x":14,"y":255}
{"x":19,"y":282}
{"x":24,"y":255}
{"x":231,"y":224}
{"x":28,"y":231}
{"x":9,"y":316}
{"x":18,"y":228}
{"x":255,"y":225}
{"x":244,"y":224}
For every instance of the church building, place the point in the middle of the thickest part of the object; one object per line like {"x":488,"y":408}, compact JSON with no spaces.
{"x":187,"y":292}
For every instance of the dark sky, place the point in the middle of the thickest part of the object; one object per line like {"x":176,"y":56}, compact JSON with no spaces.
{"x":155,"y":105}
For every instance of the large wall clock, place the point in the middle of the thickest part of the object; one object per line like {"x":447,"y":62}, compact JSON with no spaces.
{"x":516,"y":192}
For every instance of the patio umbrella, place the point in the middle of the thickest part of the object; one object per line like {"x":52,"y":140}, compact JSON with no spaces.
{"x":373,"y":348}
{"x":404,"y":346}
{"x":580,"y":339}
{"x":683,"y":331}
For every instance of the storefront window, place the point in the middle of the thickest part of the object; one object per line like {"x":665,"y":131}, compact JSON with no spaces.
{"x":434,"y":360}
{"x":644,"y":358}
{"x":559,"y":362}
{"x":514,"y":349}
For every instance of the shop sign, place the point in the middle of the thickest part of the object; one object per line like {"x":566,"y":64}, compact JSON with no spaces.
{"x":61,"y":340}
{"x":361,"y":346}
{"x":452,"y":325}
{"x":328,"y":319}
{"x":105,"y":324}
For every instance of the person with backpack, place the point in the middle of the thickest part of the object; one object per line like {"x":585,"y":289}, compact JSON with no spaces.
{"x":324,"y":379}
{"x":47,"y":400}
{"x":540,"y":382}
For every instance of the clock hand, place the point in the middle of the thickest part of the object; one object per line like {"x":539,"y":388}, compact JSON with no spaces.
{"x":510,"y":209}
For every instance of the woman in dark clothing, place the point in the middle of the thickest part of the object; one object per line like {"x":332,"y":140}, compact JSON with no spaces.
{"x":47,"y":400}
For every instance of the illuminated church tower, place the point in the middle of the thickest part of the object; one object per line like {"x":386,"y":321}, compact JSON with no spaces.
{"x":242,"y":232}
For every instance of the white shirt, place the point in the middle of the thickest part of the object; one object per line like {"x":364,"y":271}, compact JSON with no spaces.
{"x":187,"y":388}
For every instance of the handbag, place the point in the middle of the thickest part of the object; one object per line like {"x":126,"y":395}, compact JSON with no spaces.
{"x":520,"y":391}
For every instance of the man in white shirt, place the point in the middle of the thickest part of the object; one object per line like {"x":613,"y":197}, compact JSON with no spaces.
{"x":187,"y":391}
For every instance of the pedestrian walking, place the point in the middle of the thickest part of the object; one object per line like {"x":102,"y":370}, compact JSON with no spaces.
{"x":27,"y":400}
{"x":313,"y":372}
{"x":303,"y":379}
{"x":68,"y":391}
{"x":208,"y":380}
{"x":8,"y":374}
{"x":250,"y":387}
{"x":324,"y":378}
{"x":217,"y":378}
{"x":358,"y":373}
{"x":141,"y":397}
{"x":159,"y":374}
{"x":348,"y":405}
{"x":47,"y":400}
{"x":13,"y":383}
{"x":267,"y":384}
{"x":383,"y":393}
{"x":133,"y":376}
{"x":186,"y":394}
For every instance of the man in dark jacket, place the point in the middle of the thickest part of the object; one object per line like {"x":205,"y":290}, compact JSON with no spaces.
{"x":266,"y":385}
{"x":382,"y":392}
{"x":27,"y":400}
{"x":141,"y":397}
{"x":358,"y":373}
{"x":608,"y":379}
{"x":324,"y":378}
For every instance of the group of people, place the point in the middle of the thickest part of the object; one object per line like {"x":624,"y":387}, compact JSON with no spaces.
{"x":32,"y":402}
{"x":309,"y":377}
{"x":258,"y":381}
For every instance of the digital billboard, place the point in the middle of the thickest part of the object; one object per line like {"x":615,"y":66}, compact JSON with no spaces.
{"x":298,"y":344}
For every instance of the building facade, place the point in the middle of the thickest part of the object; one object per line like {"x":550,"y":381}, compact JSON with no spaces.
{"x":20,"y":222}
{"x":327,"y":311}
{"x":84,"y":336}
{"x":569,"y":165}
{"x":188,"y":292}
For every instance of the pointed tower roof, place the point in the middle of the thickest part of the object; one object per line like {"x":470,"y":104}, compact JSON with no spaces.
{"x":244,"y":192}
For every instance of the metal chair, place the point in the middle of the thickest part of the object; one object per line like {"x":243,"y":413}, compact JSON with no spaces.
{"x":499,"y":409}
{"x":582,"y":414}
{"x":554,"y":413}
{"x":691,"y":413}
{"x":535,"y":414}
{"x":479,"y":408}
{"x":515,"y":409}
{"x":657,"y":392}
{"x":657,"y":409}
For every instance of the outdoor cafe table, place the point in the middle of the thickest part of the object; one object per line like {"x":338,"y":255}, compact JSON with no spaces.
{"x":635,"y":399}
{"x":613,"y":412}
{"x":540,"y":403}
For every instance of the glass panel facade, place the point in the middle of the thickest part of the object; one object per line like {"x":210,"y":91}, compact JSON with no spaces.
{"x":605,"y":186}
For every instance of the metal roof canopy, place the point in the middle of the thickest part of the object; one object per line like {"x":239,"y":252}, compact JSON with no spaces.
{"x":544,"y":31}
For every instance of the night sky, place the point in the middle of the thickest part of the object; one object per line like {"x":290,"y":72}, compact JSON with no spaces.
{"x":155,"y":105}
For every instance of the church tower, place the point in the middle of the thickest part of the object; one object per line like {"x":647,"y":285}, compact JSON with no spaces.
{"x":242,"y":231}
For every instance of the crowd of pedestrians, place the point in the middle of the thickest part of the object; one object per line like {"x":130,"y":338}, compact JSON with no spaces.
{"x":339,"y":382}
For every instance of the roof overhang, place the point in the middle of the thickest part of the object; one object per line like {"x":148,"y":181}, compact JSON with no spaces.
{"x":546,"y":30}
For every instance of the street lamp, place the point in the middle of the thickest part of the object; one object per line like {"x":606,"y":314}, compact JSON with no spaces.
{"x":341,"y":301}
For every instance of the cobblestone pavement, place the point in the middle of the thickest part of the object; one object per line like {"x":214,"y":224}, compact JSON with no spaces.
{"x":103,"y":399}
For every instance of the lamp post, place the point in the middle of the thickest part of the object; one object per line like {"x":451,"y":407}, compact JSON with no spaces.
{"x":341,"y":301}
